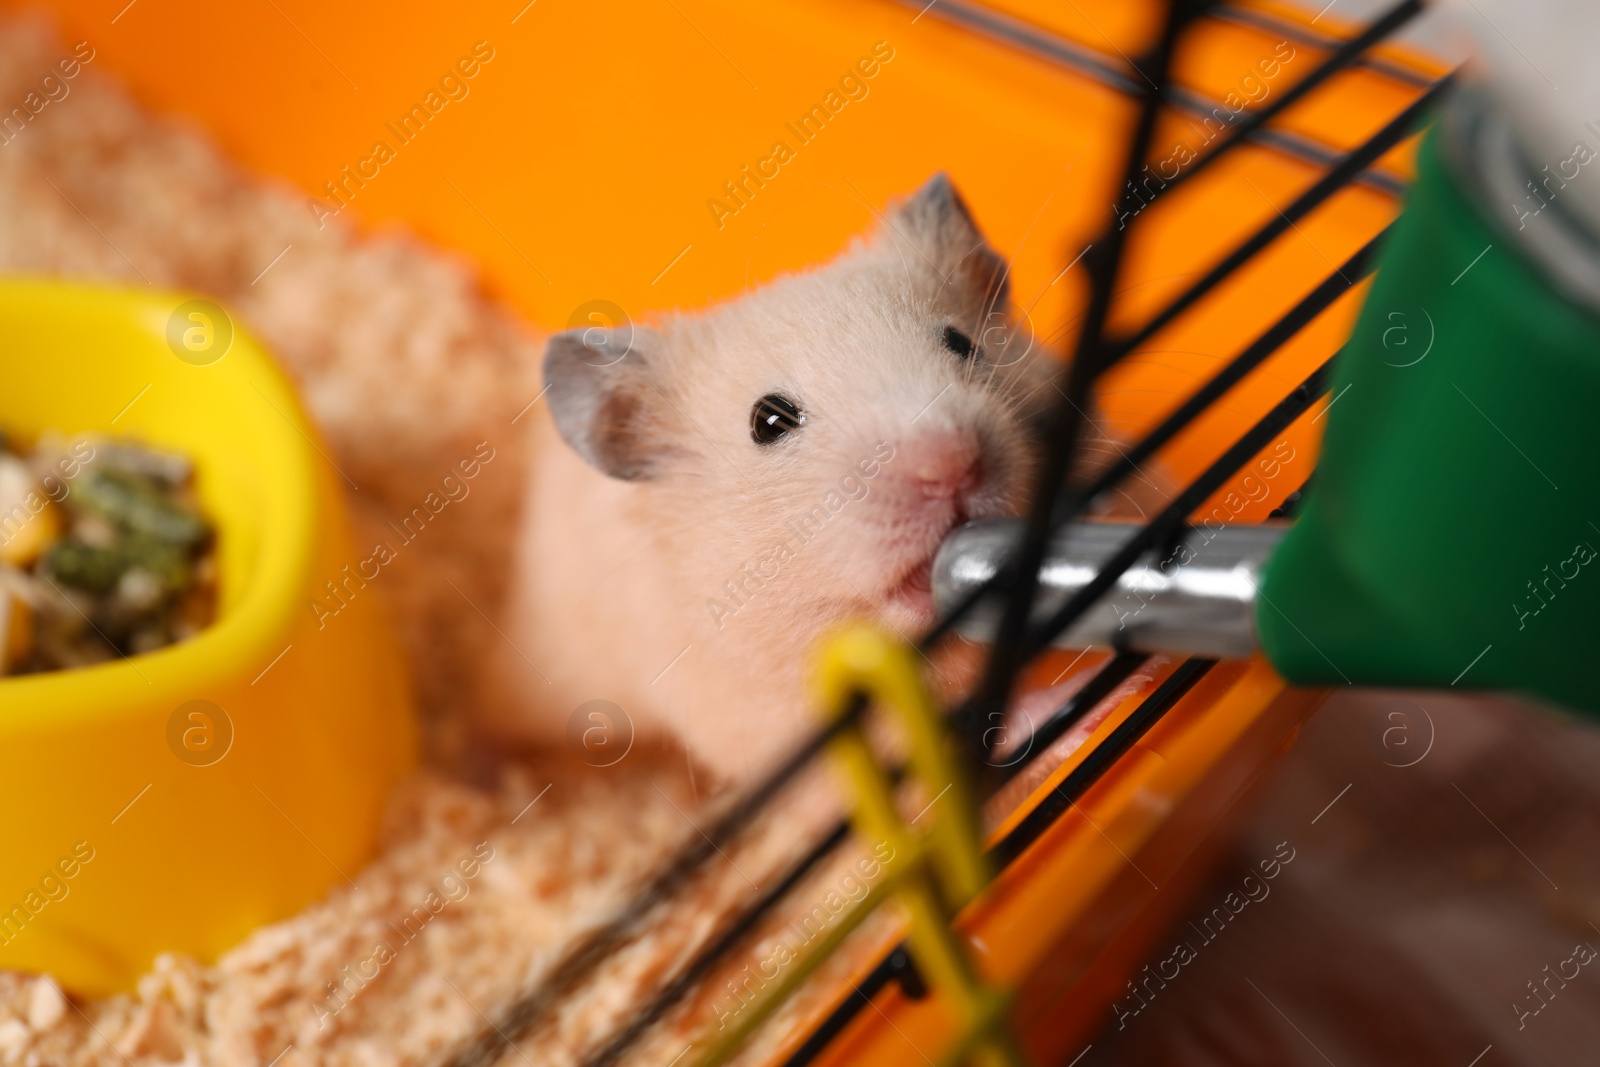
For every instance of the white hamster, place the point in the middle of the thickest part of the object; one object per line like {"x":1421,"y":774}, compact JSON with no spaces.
{"x":710,"y":493}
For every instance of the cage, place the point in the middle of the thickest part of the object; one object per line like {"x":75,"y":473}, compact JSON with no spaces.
{"x":1190,"y":200}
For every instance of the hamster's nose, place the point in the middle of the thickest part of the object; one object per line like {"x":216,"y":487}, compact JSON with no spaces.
{"x":946,"y":466}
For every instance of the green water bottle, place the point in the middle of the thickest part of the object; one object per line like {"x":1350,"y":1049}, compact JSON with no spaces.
{"x":1452,"y":533}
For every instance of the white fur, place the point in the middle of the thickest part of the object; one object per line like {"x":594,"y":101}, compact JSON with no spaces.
{"x":617,"y":578}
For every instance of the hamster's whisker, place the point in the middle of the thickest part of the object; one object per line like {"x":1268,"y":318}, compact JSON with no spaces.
{"x":1037,"y":388}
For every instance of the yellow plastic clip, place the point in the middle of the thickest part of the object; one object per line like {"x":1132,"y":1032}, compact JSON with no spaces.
{"x":946,"y":864}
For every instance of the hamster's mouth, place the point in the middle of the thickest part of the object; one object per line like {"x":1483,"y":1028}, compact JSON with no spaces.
{"x":913,"y":594}
{"x":908,"y":600}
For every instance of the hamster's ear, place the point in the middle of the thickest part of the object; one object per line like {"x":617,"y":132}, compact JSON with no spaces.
{"x":600,"y":387}
{"x":938,"y":222}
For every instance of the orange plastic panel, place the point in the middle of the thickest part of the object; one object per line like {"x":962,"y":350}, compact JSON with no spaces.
{"x":583,"y":154}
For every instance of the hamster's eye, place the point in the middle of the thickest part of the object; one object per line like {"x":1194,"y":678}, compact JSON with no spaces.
{"x":772,"y":417}
{"x":960,"y":343}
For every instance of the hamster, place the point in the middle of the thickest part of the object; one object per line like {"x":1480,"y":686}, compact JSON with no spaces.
{"x":709,"y":494}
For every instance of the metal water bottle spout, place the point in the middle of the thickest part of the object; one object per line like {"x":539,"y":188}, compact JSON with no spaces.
{"x":1196,"y":597}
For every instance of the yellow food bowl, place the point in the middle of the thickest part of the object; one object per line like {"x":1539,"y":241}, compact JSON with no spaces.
{"x":175,"y":800}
